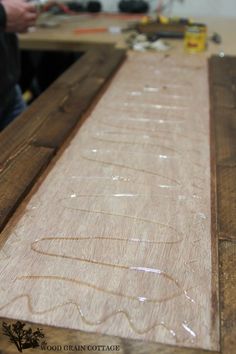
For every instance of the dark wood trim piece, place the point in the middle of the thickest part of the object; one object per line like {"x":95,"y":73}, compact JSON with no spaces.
{"x":223,"y":111}
{"x":48,"y":122}
{"x":223,"y":105}
{"x":214,"y":236}
{"x":228,"y":296}
{"x":19,"y":175}
{"x":66,"y":95}
{"x":79,"y":94}
{"x":227,"y":201}
{"x":60,"y":45}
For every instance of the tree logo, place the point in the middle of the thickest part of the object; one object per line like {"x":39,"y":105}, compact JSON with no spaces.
{"x":22,"y":337}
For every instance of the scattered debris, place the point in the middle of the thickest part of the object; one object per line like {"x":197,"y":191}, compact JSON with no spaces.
{"x":141,"y":43}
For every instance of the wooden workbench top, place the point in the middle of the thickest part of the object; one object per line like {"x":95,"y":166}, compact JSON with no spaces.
{"x":64,"y":37}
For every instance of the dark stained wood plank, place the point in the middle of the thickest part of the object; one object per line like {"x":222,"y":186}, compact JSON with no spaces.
{"x":225,"y":132}
{"x":219,"y":66}
{"x":228,"y":296}
{"x":223,"y":111}
{"x":80,"y":94}
{"x":60,"y":45}
{"x":48,"y":122}
{"x":226,"y":183}
{"x":222,"y":72}
{"x":18,"y":177}
{"x":20,"y":132}
{"x":138,"y":347}
{"x":224,"y":97}
{"x":36,"y":121}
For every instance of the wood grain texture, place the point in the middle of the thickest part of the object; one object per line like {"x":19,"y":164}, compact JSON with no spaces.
{"x":15,"y":181}
{"x":70,"y":88}
{"x":48,"y":122}
{"x":94,"y":70}
{"x":228,"y":296}
{"x":223,"y":103}
{"x":223,"y":107}
{"x":117,"y":239}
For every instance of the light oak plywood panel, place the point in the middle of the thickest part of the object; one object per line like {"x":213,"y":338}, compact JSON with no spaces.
{"x":117,"y":239}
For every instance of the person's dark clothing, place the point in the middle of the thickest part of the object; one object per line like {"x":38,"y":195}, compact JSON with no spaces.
{"x":9,"y":62}
{"x":9,"y":57}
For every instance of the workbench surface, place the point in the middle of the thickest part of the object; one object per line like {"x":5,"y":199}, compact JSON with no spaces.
{"x":64,"y":36}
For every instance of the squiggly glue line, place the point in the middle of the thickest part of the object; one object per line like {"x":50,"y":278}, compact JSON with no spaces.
{"x":156,"y":106}
{"x":129,"y":180}
{"x":125,"y":216}
{"x":160,"y":146}
{"x":140,"y":299}
{"x":132,"y":168}
{"x":84,"y":319}
{"x":149,"y":131}
{"x":136,"y":240}
{"x":111,"y":265}
{"x":118,"y":195}
{"x":134,"y":143}
{"x":197,"y":152}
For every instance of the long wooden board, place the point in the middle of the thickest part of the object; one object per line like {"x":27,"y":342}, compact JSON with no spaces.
{"x":223,"y":110}
{"x":118,"y":237}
